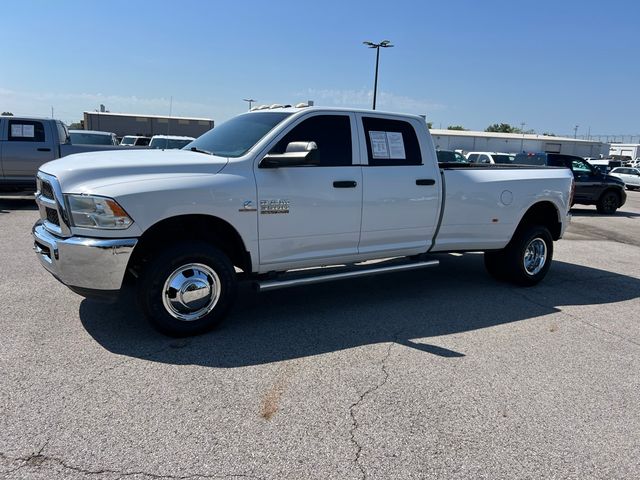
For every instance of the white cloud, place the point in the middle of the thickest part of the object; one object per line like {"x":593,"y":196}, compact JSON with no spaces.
{"x":363,"y":98}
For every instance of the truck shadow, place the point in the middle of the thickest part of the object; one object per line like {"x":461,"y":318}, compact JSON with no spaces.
{"x":408,"y":308}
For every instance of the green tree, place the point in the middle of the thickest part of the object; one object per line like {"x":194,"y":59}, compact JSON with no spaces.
{"x":77,"y":125}
{"x":502,"y":128}
{"x":506,"y":128}
{"x":456,"y":127}
{"x":429,"y":125}
{"x":7,"y":114}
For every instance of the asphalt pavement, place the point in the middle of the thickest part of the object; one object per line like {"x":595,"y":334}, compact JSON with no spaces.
{"x":440,"y":373}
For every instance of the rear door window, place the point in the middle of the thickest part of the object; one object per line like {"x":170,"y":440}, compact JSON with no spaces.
{"x":26,"y":131}
{"x":391,"y":142}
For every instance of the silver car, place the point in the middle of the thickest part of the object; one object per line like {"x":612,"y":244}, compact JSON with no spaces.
{"x":630,"y":176}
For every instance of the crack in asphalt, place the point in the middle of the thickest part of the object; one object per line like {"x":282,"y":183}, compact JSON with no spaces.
{"x":575,"y":317}
{"x":354,"y":420}
{"x":38,"y":460}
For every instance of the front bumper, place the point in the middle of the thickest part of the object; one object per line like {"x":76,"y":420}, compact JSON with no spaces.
{"x":83,"y":263}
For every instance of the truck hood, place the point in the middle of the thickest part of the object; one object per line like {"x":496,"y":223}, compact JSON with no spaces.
{"x":84,"y":172}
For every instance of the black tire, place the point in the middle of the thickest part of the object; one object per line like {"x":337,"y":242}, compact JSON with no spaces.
{"x":528,"y":256}
{"x":193,"y":266}
{"x":494,"y":262}
{"x":608,"y":203}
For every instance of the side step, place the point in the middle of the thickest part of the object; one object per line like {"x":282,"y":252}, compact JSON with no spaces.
{"x":360,"y":271}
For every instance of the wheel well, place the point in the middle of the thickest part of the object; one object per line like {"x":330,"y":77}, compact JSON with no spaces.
{"x":545,"y":214}
{"x":191,"y":227}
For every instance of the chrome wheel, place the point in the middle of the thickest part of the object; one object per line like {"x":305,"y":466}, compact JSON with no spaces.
{"x":535,"y":256}
{"x":191,"y":292}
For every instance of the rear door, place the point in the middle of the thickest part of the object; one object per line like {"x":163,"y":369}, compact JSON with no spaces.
{"x":311,"y":214}
{"x":30,"y":143}
{"x":401,"y":185}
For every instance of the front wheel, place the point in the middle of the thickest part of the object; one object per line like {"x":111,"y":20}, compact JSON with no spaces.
{"x":187,"y":289}
{"x":608,"y":203}
{"x":528,"y":256}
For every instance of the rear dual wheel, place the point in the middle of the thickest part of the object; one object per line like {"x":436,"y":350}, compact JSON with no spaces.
{"x":525,"y":260}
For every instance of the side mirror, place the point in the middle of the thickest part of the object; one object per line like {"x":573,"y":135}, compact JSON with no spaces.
{"x":297,"y":154}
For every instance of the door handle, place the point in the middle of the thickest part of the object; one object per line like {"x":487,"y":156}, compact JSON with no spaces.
{"x":425,"y":181}
{"x":344,"y":184}
{"x":44,"y":149}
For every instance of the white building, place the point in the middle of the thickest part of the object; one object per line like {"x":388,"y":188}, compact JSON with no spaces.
{"x":470,"y":141}
{"x":631,"y":150}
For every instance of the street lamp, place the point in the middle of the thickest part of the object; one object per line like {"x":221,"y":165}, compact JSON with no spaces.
{"x":250,"y":100}
{"x":377,"y":46}
{"x":575,"y":131}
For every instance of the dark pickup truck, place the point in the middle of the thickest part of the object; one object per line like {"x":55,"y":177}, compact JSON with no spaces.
{"x":28,"y":142}
{"x":592,"y":187}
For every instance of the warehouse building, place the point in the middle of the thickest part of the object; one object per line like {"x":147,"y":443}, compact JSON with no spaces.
{"x":470,"y":141}
{"x":145,"y":125}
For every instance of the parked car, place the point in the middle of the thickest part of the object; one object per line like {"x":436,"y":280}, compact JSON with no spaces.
{"x":169,"y":142}
{"x":630,"y":176}
{"x":28,"y":142}
{"x":285,"y":189}
{"x":135,"y":141}
{"x":92,"y":137}
{"x":490,"y":157}
{"x":450,"y":156}
{"x":593,"y":187}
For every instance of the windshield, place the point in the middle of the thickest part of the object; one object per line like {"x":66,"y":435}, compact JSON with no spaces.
{"x":128,"y":140}
{"x":168,"y":143}
{"x":236,"y":136}
{"x":90,"y":139}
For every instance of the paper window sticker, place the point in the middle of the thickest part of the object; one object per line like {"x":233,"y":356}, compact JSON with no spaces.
{"x":16,"y":130}
{"x":379,"y":146}
{"x":396,"y":145}
{"x":28,"y":131}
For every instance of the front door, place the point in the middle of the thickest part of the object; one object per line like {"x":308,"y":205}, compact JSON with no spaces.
{"x":311,"y":214}
{"x":588,"y":180}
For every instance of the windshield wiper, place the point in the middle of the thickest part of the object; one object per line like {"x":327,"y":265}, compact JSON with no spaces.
{"x":198,"y":150}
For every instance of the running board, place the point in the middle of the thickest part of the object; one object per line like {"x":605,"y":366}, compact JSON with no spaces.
{"x":267,"y":285}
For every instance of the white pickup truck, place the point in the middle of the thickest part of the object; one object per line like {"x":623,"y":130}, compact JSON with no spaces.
{"x":270,"y":195}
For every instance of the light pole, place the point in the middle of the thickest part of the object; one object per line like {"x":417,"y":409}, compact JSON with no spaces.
{"x":250,"y":101}
{"x":575,"y":131}
{"x":377,"y":46}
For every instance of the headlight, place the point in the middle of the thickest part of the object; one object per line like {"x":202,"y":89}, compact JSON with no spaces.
{"x":97,"y":212}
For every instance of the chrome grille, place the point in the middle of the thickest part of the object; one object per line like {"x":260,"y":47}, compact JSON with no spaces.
{"x":46,"y":190}
{"x":51,"y":204}
{"x":52,"y":216}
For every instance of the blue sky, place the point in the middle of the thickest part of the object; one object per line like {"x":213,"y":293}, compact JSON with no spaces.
{"x":549,"y":64}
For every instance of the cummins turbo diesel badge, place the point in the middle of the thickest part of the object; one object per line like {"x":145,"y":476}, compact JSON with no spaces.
{"x":274,"y":206}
